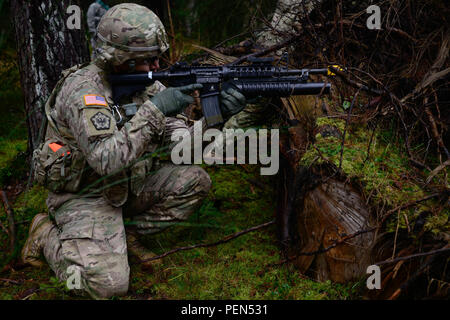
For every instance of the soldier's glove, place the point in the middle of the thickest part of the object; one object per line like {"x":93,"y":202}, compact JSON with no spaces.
{"x":172,"y":100}
{"x":232,"y":100}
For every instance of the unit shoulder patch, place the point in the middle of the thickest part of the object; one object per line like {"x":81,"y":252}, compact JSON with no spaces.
{"x":99,"y":121}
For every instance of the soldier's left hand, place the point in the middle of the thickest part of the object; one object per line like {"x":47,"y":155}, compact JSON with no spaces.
{"x":232,"y":101}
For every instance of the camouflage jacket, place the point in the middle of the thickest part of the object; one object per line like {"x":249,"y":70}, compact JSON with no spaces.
{"x":104,"y":157}
{"x":94,"y":14}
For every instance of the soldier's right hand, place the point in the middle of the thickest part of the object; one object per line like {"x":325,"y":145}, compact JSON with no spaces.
{"x":172,"y":100}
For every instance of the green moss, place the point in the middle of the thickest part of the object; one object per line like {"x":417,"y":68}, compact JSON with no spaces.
{"x":26,"y":206}
{"x":9,"y":150}
{"x":338,"y":123}
{"x":12,"y":159}
{"x":439,"y":223}
{"x":238,"y":269}
{"x":12,"y":110}
{"x":385,"y":175}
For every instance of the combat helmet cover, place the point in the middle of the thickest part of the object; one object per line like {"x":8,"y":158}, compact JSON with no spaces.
{"x":130,"y":31}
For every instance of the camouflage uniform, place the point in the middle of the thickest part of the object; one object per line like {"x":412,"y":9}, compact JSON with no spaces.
{"x":252,"y":116}
{"x":108,"y":175}
{"x":95,"y":12}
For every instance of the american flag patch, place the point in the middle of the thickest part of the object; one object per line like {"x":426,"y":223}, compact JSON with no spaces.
{"x":94,"y":100}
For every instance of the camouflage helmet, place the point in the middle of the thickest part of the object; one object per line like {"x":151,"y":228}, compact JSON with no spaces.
{"x":130,"y":31}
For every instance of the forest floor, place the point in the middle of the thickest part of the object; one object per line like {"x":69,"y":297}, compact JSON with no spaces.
{"x":239,"y":269}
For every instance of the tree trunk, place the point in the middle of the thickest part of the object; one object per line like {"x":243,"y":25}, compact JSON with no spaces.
{"x":45,"y":47}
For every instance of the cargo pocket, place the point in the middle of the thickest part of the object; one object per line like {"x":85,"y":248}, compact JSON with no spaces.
{"x":77,"y":230}
{"x":57,"y":167}
{"x":77,"y":243}
{"x":76,"y":168}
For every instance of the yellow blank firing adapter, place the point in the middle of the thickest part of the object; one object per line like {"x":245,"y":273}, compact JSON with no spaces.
{"x":335,"y":66}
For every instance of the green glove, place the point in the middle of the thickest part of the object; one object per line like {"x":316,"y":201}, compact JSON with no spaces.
{"x":172,"y":100}
{"x":231,"y":102}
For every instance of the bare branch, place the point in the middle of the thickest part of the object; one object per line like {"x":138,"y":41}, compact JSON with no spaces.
{"x":204,"y":245}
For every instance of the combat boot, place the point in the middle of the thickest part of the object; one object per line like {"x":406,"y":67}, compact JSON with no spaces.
{"x":136,"y":249}
{"x":37,"y":235}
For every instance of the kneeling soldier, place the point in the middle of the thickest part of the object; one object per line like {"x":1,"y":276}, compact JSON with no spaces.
{"x":94,"y":162}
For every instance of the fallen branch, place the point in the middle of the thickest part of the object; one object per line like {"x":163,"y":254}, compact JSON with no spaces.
{"x":276,"y":47}
{"x":433,"y":75}
{"x":11,"y":281}
{"x":435,"y":132}
{"x":353,"y":83}
{"x":423,"y":254}
{"x":320,"y":251}
{"x":437,"y":170}
{"x":11,"y":223}
{"x":204,"y":245}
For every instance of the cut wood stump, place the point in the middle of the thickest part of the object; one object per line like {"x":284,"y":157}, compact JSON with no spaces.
{"x":331,"y":211}
{"x":318,"y":208}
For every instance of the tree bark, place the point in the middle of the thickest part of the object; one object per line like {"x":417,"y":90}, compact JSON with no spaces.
{"x":45,"y":47}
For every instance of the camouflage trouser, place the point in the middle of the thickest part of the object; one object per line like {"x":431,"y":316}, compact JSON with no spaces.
{"x":90,"y":235}
{"x":252,"y":115}
{"x":91,"y":232}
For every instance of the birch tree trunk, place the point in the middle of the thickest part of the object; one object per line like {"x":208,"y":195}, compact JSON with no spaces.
{"x":45,"y":46}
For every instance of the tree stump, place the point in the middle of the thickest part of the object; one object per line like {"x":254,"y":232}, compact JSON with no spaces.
{"x":318,"y":207}
{"x":330,"y":212}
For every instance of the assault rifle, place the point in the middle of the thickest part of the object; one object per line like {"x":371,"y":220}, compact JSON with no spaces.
{"x":260,"y":78}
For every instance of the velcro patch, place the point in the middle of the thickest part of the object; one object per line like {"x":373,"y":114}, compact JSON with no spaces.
{"x":99,"y":121}
{"x":94,"y":100}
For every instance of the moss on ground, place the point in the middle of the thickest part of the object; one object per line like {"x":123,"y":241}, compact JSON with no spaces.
{"x":11,"y":107}
{"x":388,"y":180}
{"x":12,"y":159}
{"x":13,"y":129}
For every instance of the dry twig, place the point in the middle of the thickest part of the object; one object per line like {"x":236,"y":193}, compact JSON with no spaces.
{"x":408,"y":205}
{"x":204,"y":245}
{"x":11,"y":223}
{"x":417,"y":255}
